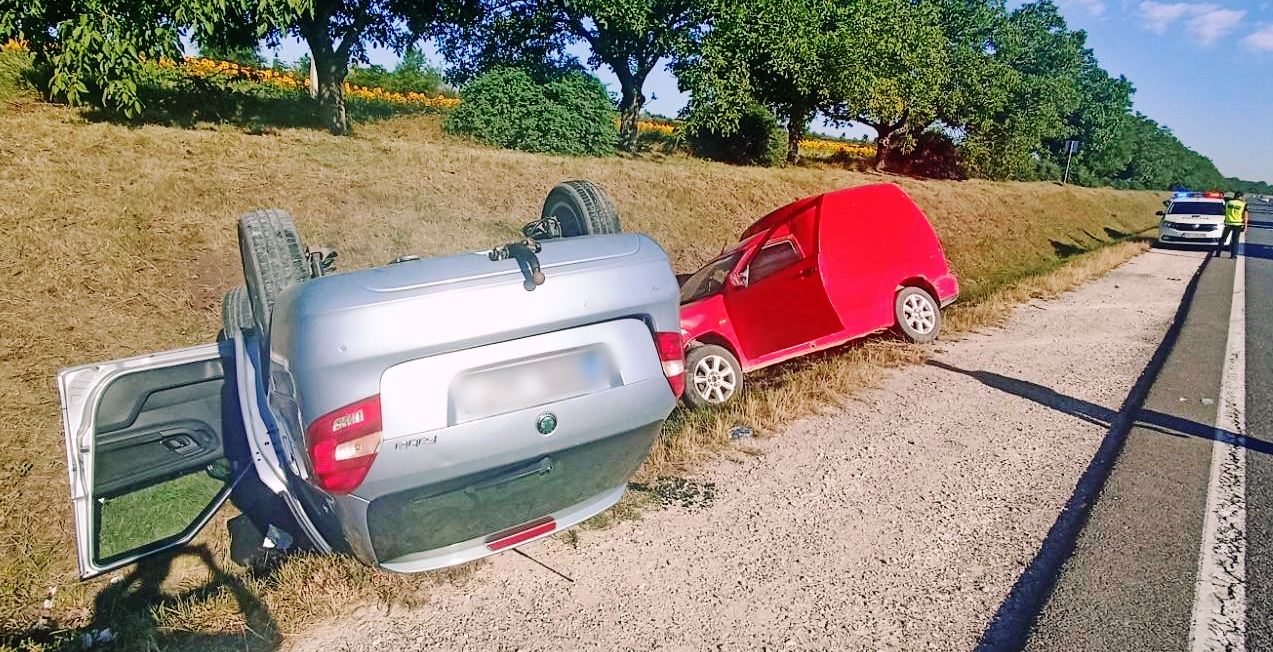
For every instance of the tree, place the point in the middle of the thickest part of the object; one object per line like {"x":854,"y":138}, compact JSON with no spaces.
{"x":797,"y":56}
{"x":94,"y":48}
{"x":1102,"y":123}
{"x":906,"y":70}
{"x":1038,"y":62}
{"x":630,"y":37}
{"x":338,"y":32}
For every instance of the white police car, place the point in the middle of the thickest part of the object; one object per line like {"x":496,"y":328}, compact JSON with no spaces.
{"x":1192,"y":218}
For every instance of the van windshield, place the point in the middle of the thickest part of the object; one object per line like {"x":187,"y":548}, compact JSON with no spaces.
{"x":710,"y":279}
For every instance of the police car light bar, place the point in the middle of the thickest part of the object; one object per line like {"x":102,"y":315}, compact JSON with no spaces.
{"x":1214,"y":194}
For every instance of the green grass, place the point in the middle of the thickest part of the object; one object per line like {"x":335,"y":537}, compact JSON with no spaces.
{"x":137,"y":519}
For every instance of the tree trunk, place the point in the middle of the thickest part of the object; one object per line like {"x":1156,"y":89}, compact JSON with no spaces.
{"x":884,"y":137}
{"x":331,"y":92}
{"x":798,"y":118}
{"x":629,"y":112}
{"x":882,"y":143}
{"x":313,"y":77}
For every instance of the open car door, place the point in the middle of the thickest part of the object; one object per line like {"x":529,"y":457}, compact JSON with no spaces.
{"x":145,"y":451}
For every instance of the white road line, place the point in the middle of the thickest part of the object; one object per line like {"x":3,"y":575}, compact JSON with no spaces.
{"x":1219,"y":606}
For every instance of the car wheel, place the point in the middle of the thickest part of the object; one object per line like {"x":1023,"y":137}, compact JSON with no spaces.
{"x":273,"y":259}
{"x":713,"y":376}
{"x":918,"y":315}
{"x":236,"y":310}
{"x":581,"y":208}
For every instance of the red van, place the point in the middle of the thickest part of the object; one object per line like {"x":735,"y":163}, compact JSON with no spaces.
{"x":809,"y":276}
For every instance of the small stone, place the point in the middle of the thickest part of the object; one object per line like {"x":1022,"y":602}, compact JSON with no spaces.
{"x":740,"y":432}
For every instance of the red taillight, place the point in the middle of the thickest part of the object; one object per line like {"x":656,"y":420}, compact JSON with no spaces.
{"x":672,"y":355}
{"x":343,"y":444}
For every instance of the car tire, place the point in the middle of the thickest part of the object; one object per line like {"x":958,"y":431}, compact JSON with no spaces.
{"x":581,"y":208}
{"x":273,"y":259}
{"x":712,"y":376}
{"x":918,"y":315}
{"x":236,"y":310}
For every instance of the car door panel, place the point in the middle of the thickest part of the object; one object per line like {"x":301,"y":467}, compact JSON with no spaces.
{"x":784,"y":308}
{"x":146,"y":459}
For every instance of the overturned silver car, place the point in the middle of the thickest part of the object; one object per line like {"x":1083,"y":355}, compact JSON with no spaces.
{"x":416,"y":415}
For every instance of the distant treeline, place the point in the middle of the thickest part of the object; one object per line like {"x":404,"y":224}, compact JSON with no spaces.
{"x":951,"y":87}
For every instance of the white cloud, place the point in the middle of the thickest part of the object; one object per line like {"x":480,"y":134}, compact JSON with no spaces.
{"x":1261,"y":39}
{"x":1205,"y":21}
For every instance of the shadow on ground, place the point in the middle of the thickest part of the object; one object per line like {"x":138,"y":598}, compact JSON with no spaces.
{"x":125,"y":613}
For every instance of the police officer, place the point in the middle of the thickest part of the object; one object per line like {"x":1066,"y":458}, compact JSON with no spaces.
{"x":1235,"y":221}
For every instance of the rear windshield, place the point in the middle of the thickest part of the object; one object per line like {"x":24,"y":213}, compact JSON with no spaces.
{"x":1196,"y":208}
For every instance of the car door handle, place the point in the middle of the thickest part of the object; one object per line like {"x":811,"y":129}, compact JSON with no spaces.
{"x":804,"y":273}
{"x":542,"y":467}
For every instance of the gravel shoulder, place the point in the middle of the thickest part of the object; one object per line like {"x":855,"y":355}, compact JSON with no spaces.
{"x":899,"y":522}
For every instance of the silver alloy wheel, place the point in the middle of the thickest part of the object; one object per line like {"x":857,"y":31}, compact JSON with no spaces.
{"x":714,"y":379}
{"x":919,"y":313}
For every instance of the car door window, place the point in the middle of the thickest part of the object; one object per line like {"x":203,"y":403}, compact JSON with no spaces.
{"x":773,"y":258}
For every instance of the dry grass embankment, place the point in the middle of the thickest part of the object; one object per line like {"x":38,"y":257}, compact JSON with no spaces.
{"x":120,"y":241}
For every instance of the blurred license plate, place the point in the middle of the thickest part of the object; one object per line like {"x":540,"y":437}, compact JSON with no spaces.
{"x":536,"y":382}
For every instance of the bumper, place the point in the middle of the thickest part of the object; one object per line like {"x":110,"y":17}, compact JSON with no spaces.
{"x":457,"y":489}
{"x":947,"y":287}
{"x":1199,"y":234}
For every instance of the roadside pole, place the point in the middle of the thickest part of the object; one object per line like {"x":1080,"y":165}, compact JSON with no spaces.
{"x":1071,"y":148}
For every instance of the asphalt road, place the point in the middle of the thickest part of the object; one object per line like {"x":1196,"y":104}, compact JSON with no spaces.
{"x":1132,"y":579}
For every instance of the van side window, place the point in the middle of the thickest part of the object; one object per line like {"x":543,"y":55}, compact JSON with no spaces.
{"x":773,"y":258}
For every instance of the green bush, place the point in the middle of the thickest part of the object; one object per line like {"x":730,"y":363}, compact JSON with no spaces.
{"x":758,"y":140}
{"x":506,"y":108}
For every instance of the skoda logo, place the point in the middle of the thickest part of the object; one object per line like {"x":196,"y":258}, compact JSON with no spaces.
{"x":546,"y":423}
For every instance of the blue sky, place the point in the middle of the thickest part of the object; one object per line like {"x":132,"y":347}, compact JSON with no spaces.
{"x":1204,"y":69}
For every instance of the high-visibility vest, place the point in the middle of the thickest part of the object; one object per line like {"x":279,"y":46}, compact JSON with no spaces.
{"x":1233,"y":210}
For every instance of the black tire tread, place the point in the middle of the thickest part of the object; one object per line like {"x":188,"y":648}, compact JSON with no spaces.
{"x":236,"y":310}
{"x":273,"y":259}
{"x":599,"y":216}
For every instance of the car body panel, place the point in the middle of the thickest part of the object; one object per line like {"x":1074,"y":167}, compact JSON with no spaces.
{"x":138,"y":423}
{"x":1192,"y":219}
{"x":382,"y":332}
{"x":419,"y":335}
{"x":858,"y":247}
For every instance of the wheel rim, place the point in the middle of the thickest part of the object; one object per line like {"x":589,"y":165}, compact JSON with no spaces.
{"x":919,"y":314}
{"x":715,"y":379}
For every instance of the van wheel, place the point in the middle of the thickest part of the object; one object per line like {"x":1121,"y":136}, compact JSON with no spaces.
{"x":236,"y":310}
{"x":581,"y":208}
{"x":714,"y":376}
{"x":918,"y":315}
{"x":273,"y":259}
